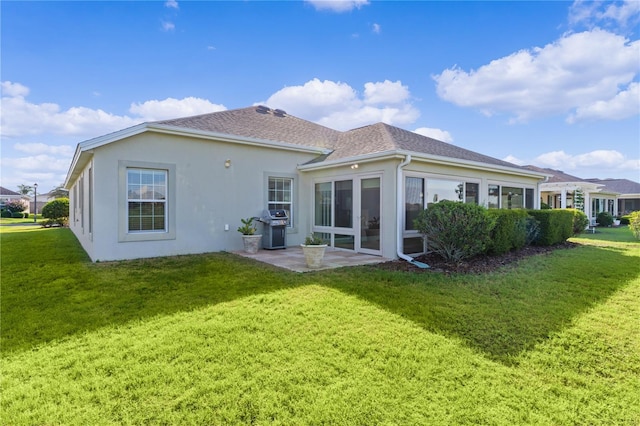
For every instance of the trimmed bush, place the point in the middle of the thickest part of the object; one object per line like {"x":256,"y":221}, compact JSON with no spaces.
{"x":634,"y":224}
{"x":556,"y":226}
{"x":625,"y":220}
{"x":5,"y":213}
{"x":580,"y":221}
{"x":17,"y":215}
{"x":454,"y":230}
{"x":604,"y":219}
{"x":510,"y":230}
{"x":57,"y":210}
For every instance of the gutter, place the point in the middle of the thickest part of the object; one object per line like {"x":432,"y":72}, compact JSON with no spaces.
{"x":399,"y":211}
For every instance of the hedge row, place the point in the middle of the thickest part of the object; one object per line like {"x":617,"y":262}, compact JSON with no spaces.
{"x":457,"y":231}
{"x":556,"y":226}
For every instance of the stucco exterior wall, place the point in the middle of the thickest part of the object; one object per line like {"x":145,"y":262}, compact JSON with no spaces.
{"x":206,"y":199}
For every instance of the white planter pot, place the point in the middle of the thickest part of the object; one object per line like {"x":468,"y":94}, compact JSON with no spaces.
{"x":313,"y":254}
{"x":251,"y":243}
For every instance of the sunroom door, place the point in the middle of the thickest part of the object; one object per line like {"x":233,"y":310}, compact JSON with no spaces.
{"x":369,"y":233}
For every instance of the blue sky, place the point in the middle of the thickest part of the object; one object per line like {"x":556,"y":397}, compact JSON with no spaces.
{"x":554,"y":84}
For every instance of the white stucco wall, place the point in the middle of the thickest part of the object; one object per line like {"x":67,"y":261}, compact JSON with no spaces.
{"x":206,"y":196}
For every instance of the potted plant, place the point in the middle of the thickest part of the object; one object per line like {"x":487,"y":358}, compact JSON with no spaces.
{"x":250,"y":240}
{"x":313,"y":249}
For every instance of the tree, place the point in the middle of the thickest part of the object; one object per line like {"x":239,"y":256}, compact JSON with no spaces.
{"x":59,"y":192}
{"x":25,"y":189}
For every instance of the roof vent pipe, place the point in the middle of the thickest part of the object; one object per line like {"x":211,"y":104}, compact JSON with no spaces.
{"x":399,"y":211}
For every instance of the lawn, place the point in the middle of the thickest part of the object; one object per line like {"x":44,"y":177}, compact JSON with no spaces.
{"x":219,"y":339}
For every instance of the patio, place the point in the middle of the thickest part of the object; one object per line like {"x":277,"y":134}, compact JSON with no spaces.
{"x":292,"y":258}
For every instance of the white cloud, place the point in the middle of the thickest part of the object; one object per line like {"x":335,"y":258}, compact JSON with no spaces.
{"x":171,"y":4}
{"x":556,"y":79}
{"x":173,"y":108}
{"x":41,"y":148}
{"x":596,"y":163}
{"x":593,"y":13}
{"x":20,"y":117}
{"x":439,"y":134}
{"x":515,"y":160}
{"x":338,"y":105}
{"x":376,"y":28}
{"x":624,"y":104}
{"x":168,"y":26}
{"x":385,"y":92}
{"x":338,"y":6}
{"x":10,"y":89}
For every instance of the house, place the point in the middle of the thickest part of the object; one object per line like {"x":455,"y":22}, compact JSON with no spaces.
{"x":628,"y":190}
{"x":181,"y":186}
{"x":562,"y":190}
{"x":9,"y":195}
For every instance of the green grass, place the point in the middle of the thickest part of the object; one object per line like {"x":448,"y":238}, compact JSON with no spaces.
{"x":12,"y":221}
{"x":219,"y":339}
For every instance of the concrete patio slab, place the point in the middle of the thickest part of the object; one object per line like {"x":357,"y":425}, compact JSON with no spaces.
{"x":292,"y":258}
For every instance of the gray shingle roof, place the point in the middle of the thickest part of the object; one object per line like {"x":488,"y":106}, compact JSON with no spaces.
{"x":5,"y":191}
{"x":623,"y":186}
{"x":558,"y":176}
{"x":249,"y":123}
{"x":380,"y":137}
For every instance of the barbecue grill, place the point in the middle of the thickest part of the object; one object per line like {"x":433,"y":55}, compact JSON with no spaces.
{"x":275,"y":229}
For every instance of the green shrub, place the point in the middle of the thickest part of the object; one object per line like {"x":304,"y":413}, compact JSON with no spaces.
{"x":5,"y":213}
{"x":17,"y":215}
{"x":625,"y":220}
{"x":510,"y":230}
{"x":604,"y":219}
{"x":57,"y":210}
{"x":556,"y":226}
{"x":580,"y":221}
{"x":634,"y":224}
{"x":454,"y":230}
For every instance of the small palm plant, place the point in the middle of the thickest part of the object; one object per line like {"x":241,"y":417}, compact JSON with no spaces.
{"x":247,"y":228}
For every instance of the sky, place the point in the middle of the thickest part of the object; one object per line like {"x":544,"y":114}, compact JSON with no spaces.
{"x":554,"y":84}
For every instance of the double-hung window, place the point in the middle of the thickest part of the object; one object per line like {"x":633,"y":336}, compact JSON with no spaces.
{"x":146,"y":200}
{"x":281,"y":196}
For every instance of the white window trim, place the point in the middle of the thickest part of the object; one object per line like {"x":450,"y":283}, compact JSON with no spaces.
{"x":123,"y":232}
{"x":292,"y":225}
{"x":524,"y":188}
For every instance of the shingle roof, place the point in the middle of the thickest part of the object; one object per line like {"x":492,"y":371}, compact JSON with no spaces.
{"x":263,"y":123}
{"x":557,"y":176}
{"x":249,"y":123}
{"x":623,"y":186}
{"x":5,"y":191}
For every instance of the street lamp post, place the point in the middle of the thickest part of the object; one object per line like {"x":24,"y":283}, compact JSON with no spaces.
{"x":35,"y":202}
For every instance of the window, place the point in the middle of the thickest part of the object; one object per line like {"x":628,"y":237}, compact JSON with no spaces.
{"x":281,"y":196}
{"x":413,"y":200}
{"x":323,"y":204}
{"x":336,"y":197}
{"x":147,"y":200}
{"x":510,"y":197}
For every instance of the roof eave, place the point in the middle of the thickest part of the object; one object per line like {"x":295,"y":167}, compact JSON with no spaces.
{"x":416,"y":156}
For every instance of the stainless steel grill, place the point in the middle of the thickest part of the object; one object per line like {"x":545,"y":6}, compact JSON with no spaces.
{"x":274,"y":235}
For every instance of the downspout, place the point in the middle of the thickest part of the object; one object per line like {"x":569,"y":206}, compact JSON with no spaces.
{"x":399,"y":211}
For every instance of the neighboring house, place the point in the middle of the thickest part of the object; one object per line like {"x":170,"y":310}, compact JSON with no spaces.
{"x":9,"y":195}
{"x":560,"y":191}
{"x":181,"y":186}
{"x":628,"y":190}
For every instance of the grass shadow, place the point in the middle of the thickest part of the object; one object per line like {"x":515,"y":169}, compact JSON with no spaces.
{"x":501,"y":314}
{"x":51,"y":290}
